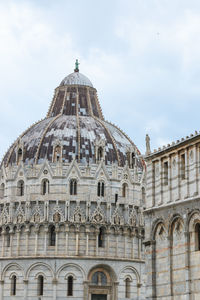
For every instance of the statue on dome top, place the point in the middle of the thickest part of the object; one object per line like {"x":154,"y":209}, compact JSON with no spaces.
{"x":76,"y":66}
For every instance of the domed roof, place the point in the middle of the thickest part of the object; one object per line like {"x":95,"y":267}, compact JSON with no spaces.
{"x":74,"y":123}
{"x":76,"y":78}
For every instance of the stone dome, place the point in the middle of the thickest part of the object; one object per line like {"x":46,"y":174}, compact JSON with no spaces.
{"x":76,"y":78}
{"x":74,"y":127}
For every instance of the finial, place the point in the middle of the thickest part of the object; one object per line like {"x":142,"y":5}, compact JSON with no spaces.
{"x":76,"y":66}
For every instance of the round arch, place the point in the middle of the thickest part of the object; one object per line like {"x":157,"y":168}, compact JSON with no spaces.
{"x":39,"y":264}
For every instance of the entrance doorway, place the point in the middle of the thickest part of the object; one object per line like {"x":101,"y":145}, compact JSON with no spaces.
{"x":99,"y":297}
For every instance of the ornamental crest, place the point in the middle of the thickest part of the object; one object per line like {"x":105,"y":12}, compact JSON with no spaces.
{"x":37,"y":215}
{"x":4,"y":218}
{"x":19,"y":215}
{"x":57,"y":214}
{"x":98,"y":215}
{"x":78,"y":215}
{"x":117,"y":219}
{"x":132,"y":218}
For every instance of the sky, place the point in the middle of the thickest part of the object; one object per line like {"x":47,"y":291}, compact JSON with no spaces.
{"x":142,"y":56}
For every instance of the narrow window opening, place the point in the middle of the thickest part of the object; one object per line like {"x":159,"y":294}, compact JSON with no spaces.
{"x":116,"y":198}
{"x":165,"y":173}
{"x":70,"y":286}
{"x":19,"y":155}
{"x":99,"y":189}
{"x":197,"y":237}
{"x":45,"y":187}
{"x":101,"y":238}
{"x":13,"y":285}
{"x":20,"y":187}
{"x":132,"y":160}
{"x":73,"y":187}
{"x":100,"y":153}
{"x":40,"y":285}
{"x":102,"y":189}
{"x":124,"y":190}
{"x":183,"y":166}
{"x":52,"y":236}
{"x":7,"y":237}
{"x":127,"y":288}
{"x":57,"y":154}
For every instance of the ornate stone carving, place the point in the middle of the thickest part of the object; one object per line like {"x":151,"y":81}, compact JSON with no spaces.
{"x":78,"y":215}
{"x":4,"y":218}
{"x":37,"y":215}
{"x":117,"y":218}
{"x":132,"y":221}
{"x":19,"y":215}
{"x":98,"y":215}
{"x":57,"y":214}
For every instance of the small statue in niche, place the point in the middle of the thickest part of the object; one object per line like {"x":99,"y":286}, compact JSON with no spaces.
{"x":56,"y":217}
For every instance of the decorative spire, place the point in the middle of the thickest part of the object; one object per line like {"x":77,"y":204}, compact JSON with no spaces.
{"x":76,"y":66}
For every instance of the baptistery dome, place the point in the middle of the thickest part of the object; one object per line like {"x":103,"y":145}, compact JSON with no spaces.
{"x":76,"y":124}
{"x":72,"y":192}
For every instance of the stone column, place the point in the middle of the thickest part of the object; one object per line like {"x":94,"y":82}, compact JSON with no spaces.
{"x":187,"y":166}
{"x":133,"y":243}
{"x":197,"y":167}
{"x":77,"y":241}
{"x":46,"y":231}
{"x":25,"y":288}
{"x":87,"y":241}
{"x":117,"y":242}
{"x":125,"y":241}
{"x":54,"y":283}
{"x":11,"y":242}
{"x":169,"y":178}
{"x":97,"y":240}
{"x":56,"y":245}
{"x":18,"y":241}
{"x":66,"y":239}
{"x":161,"y":182}
{"x":1,"y":289}
{"x":187,"y":266}
{"x":36,"y":240}
{"x":108,"y":242}
{"x":3,"y":242}
{"x":139,"y":246}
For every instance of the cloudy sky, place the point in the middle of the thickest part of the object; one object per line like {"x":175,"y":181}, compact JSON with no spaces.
{"x":143,"y":57}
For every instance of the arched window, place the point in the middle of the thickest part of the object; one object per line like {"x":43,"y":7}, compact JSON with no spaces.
{"x":101,"y":238}
{"x":40,"y":285}
{"x":7,"y":237}
{"x":99,"y":278}
{"x":127,"y":288}
{"x":20,"y":188}
{"x":73,"y":187}
{"x":70,"y":282}
{"x":124,"y":190}
{"x":197,"y":237}
{"x":52,"y":236}
{"x":2,"y":190}
{"x":45,"y":187}
{"x":19,"y":155}
{"x":100,"y":189}
{"x":57,"y":154}
{"x":100,"y":153}
{"x":13,"y":285}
